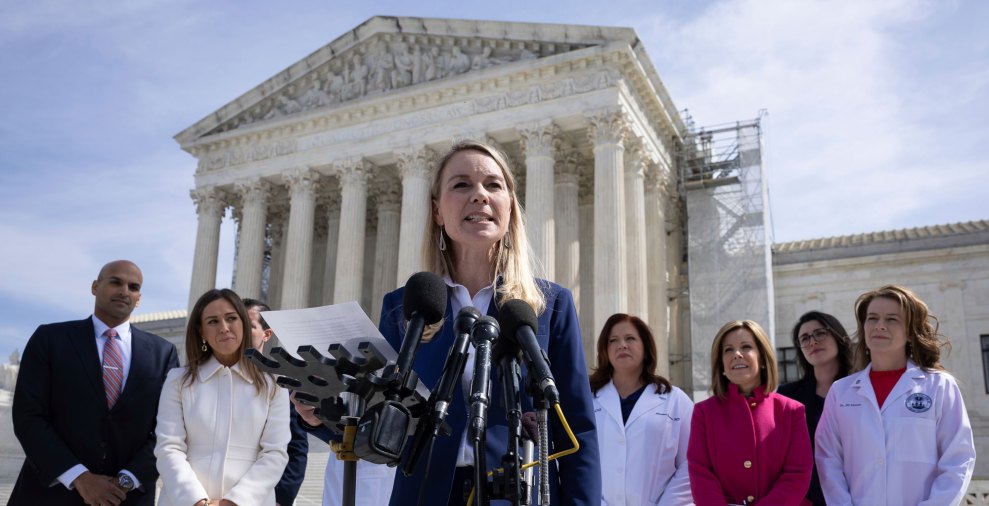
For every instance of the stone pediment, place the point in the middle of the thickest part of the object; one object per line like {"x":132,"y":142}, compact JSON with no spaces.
{"x":385,"y":54}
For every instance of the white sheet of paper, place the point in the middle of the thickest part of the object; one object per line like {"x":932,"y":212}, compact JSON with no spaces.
{"x":344,"y":323}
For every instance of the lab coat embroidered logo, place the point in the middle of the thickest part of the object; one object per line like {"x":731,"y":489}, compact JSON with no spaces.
{"x":918,"y":402}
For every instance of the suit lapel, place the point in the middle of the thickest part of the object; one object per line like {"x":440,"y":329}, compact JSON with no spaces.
{"x":140,"y":360}
{"x":83,"y":339}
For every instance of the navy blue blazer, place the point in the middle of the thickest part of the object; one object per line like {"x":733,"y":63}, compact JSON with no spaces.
{"x":578,"y":481}
{"x":298,"y":454}
{"x":61,"y":418}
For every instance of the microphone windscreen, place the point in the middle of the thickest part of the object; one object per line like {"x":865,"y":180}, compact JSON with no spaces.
{"x":425,"y":294}
{"x":514,"y":314}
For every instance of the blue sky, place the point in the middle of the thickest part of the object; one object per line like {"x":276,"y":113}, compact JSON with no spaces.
{"x":876,"y":116}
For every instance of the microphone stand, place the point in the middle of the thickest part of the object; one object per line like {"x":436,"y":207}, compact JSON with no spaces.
{"x":508,"y":484}
{"x":483,"y":335}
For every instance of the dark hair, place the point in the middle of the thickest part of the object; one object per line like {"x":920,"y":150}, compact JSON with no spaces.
{"x":924,"y":343}
{"x":768,"y":372}
{"x":837,"y":330}
{"x":250,"y":304}
{"x":195,"y":356}
{"x":604,"y":370}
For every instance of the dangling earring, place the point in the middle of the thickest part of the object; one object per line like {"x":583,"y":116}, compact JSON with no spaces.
{"x":507,"y":241}
{"x":204,"y":345}
{"x":442,"y":240}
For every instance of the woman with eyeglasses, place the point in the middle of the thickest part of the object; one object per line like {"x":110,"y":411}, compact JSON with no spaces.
{"x":825,"y":357}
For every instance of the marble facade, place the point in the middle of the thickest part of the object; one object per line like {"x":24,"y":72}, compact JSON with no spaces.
{"x":326,"y":165}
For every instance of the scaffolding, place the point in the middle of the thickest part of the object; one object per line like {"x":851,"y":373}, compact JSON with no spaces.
{"x":729,"y":239}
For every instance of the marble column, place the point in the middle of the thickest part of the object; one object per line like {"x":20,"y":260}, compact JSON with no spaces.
{"x":385,"y":247}
{"x":332,"y":234}
{"x":353,"y":222}
{"x":298,"y":246}
{"x":635,"y":232}
{"x":655,"y":204}
{"x":585,"y":301}
{"x":317,"y":274}
{"x":606,"y":133}
{"x":209,"y":208}
{"x":414,"y":165}
{"x":540,"y":142}
{"x":277,"y":223}
{"x":250,"y":241}
{"x":566,"y":188}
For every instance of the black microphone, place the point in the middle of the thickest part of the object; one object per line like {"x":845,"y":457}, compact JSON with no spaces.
{"x":482,"y":335}
{"x":441,"y":396}
{"x":519,"y":323}
{"x":423,"y":303}
{"x":382,"y":430}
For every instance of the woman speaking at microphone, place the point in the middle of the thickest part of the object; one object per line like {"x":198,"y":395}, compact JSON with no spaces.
{"x":476,"y":241}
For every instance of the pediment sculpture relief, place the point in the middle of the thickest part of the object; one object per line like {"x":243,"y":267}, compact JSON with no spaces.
{"x":384,"y":64}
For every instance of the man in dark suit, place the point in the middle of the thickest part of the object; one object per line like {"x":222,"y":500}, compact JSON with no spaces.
{"x":86,"y":402}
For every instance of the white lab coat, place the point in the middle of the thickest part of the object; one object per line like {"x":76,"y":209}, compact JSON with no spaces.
{"x":917,"y":450}
{"x":373,"y":485}
{"x":644,"y":461}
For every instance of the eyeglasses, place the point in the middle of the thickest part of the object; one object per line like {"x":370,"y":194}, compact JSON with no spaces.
{"x":817,"y":336}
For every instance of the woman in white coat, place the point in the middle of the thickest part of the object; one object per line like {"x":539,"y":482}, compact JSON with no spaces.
{"x":643,"y":422}
{"x":896,"y":432}
{"x":223,"y":426}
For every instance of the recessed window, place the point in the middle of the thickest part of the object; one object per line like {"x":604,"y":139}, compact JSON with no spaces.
{"x":789,"y":369}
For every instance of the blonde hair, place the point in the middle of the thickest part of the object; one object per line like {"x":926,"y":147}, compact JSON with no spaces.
{"x":924,"y":343}
{"x":768,"y":374}
{"x":515,"y":263}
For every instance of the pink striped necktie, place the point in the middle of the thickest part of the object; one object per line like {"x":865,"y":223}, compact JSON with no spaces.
{"x":113,"y":368}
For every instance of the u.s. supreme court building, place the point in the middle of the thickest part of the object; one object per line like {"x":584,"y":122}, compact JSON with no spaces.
{"x":325,"y":169}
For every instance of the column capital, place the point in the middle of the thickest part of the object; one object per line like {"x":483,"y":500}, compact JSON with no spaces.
{"x":301,"y":182}
{"x":639,"y":157}
{"x":353,"y":172}
{"x":415,"y":162}
{"x":540,"y":138}
{"x":388,"y":196}
{"x":209,"y":200}
{"x":607,"y":126}
{"x":253,"y":191}
{"x":568,"y":168}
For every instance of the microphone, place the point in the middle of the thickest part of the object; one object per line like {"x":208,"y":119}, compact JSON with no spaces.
{"x":423,"y":303}
{"x":482,"y":336}
{"x":440,"y":398}
{"x":382,"y":430}
{"x":519,"y":323}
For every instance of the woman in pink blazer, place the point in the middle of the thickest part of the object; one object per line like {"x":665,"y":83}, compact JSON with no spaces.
{"x":748,"y":445}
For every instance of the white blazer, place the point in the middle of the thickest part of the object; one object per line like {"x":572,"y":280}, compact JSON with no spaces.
{"x":644,"y":461}
{"x":917,"y":449}
{"x":219,"y":439}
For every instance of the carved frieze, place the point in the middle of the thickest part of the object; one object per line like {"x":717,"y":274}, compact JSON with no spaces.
{"x":388,"y":62}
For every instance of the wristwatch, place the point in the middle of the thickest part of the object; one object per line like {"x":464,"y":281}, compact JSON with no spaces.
{"x":125,"y":482}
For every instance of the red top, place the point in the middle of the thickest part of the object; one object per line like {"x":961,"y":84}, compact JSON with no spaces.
{"x":883,"y":383}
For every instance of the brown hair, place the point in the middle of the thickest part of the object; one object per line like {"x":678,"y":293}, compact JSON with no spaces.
{"x":768,"y":374}
{"x":924,"y":343}
{"x":602,"y":373}
{"x":195,"y":356}
{"x":837,"y":330}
